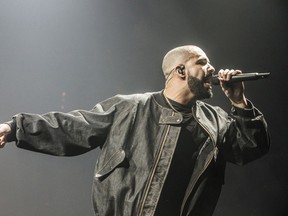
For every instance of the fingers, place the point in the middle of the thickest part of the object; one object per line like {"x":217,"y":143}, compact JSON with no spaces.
{"x":233,"y":90}
{"x":4,"y":131}
{"x":225,"y":75}
{"x":2,"y":145}
{"x":2,"y":140}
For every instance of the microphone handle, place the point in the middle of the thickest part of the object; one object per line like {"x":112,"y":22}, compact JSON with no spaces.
{"x":242,"y":77}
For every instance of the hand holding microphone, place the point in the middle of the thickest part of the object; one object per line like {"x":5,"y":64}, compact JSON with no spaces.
{"x":234,"y":90}
{"x":239,"y":77}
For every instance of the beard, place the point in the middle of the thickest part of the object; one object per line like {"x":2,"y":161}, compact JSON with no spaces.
{"x":196,"y":87}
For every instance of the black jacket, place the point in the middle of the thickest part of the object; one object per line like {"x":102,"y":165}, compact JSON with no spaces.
{"x":137,"y":137}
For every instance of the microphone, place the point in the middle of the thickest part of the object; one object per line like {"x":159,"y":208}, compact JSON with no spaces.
{"x":241,"y":77}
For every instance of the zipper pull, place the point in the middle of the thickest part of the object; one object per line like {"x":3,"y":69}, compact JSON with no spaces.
{"x":215,"y":153}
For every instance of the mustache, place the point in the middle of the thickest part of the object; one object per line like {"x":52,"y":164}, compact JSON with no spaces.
{"x":208,"y":78}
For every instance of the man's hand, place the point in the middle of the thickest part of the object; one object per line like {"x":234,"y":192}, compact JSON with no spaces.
{"x":4,"y":131}
{"x":234,"y":91}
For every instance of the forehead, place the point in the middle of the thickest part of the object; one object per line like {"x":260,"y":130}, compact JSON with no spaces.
{"x":198,"y":53}
{"x":197,"y":58}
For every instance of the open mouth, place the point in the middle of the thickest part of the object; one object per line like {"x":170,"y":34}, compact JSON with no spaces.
{"x":207,"y":82}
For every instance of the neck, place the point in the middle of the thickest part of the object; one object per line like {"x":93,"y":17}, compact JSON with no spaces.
{"x":179,"y":95}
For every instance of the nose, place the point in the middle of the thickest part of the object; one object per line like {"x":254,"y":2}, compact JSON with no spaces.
{"x":210,"y":69}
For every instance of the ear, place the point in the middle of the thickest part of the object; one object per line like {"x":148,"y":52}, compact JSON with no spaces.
{"x":181,"y":71}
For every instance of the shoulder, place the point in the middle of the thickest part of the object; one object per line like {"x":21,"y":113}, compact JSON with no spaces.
{"x":132,"y":98}
{"x":216,"y":110}
{"x":127,"y":100}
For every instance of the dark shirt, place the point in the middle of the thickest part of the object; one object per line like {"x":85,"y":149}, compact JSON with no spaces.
{"x":190,"y":139}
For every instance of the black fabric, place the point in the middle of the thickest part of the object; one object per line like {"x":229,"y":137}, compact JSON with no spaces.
{"x":181,"y":168}
{"x":132,"y":128}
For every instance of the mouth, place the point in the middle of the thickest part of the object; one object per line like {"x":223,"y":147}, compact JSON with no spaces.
{"x":207,"y":82}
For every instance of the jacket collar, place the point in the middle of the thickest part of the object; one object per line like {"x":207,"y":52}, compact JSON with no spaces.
{"x":170,"y":117}
{"x":206,"y":119}
{"x":202,"y":115}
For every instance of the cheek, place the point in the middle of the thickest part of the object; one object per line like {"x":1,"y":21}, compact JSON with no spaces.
{"x":197,"y":73}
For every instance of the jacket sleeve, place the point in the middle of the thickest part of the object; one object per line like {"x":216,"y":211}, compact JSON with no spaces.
{"x":64,"y":134}
{"x":247,"y":137}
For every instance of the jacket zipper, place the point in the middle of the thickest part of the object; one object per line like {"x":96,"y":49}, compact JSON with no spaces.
{"x":206,"y":165}
{"x":153,"y":170}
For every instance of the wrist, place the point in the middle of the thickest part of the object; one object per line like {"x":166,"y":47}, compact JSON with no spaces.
{"x":242,"y":103}
{"x":11,"y":130}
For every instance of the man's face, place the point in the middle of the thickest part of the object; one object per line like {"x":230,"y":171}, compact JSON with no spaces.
{"x":197,"y":88}
{"x":199,"y":75}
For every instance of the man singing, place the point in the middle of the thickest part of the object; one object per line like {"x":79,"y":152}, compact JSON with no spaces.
{"x":162,"y":153}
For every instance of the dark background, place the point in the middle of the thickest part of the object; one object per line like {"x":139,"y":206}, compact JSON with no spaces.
{"x":61,"y":55}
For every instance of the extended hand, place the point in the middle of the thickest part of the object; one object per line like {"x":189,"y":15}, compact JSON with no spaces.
{"x":4,"y":131}
{"x":234,"y":91}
